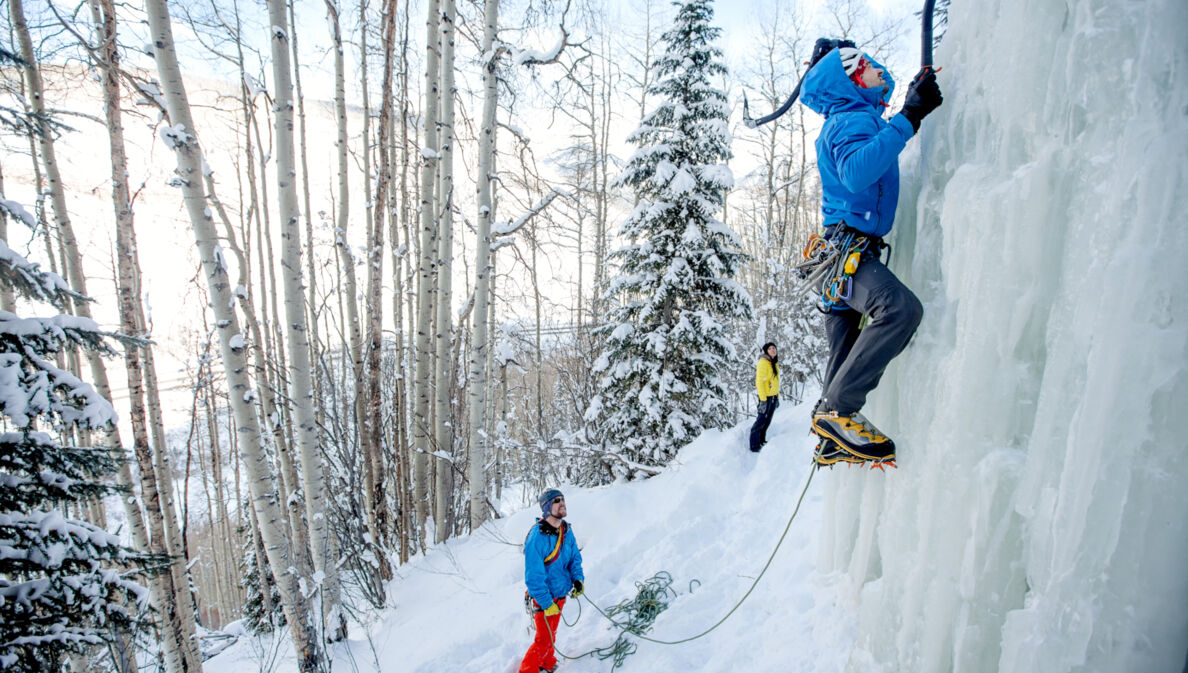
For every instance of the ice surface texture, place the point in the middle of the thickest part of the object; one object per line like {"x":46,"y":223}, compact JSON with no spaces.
{"x":1037,"y":521}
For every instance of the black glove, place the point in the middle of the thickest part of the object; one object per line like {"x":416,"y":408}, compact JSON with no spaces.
{"x":923,"y":97}
{"x":578,"y":588}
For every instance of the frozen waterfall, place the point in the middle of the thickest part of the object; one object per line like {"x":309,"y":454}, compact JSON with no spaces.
{"x":1039,"y":518}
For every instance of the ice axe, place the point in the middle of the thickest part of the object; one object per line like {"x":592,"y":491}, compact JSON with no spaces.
{"x":824,"y":45}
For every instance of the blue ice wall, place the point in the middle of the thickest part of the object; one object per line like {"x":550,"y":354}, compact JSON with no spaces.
{"x":1038,"y":520}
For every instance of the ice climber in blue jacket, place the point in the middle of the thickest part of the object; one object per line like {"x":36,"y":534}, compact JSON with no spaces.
{"x":552,"y":570}
{"x":858,"y":158}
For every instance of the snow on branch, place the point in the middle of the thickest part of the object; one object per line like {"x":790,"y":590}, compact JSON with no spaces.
{"x":32,"y":386}
{"x":17,"y":211}
{"x":29,"y":280}
{"x":151,"y":92}
{"x":533,"y":57}
{"x":508,"y":228}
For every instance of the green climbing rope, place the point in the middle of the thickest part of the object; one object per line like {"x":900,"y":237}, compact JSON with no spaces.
{"x":635,"y":616}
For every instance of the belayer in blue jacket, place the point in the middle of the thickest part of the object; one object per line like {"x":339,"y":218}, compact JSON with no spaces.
{"x":858,"y":159}
{"x":552,"y":570}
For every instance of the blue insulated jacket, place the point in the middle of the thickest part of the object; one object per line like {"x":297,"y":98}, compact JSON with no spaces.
{"x":548,"y":583}
{"x":857,"y":151}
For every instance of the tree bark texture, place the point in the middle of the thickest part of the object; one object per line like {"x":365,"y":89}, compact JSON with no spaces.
{"x":301,"y":390}
{"x":479,"y":351}
{"x":424,"y":374}
{"x":184,"y":141}
{"x":443,"y":430}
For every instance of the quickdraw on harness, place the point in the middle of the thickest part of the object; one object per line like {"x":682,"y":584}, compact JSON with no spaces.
{"x":529,"y":603}
{"x":839,"y":281}
{"x":829,"y":265}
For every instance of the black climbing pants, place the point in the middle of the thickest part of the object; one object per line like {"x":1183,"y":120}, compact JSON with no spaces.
{"x":857,"y":358}
{"x":759,"y":428}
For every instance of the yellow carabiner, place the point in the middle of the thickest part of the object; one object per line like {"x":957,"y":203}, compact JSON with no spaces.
{"x":852,"y":262}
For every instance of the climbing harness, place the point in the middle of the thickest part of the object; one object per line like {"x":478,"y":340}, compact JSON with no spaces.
{"x":651,"y":600}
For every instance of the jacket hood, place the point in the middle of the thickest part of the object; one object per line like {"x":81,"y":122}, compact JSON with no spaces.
{"x":827,"y":89}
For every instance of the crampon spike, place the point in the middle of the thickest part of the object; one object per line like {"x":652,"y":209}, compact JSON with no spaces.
{"x":883,"y":465}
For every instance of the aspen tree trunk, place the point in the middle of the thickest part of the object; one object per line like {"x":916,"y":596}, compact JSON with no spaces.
{"x":184,"y":141}
{"x":479,"y":353}
{"x":274,"y":344}
{"x":298,"y":532}
{"x":444,"y":430}
{"x":342,"y":216}
{"x":402,"y":445}
{"x":221,"y":533}
{"x":260,"y":335}
{"x":377,"y":515}
{"x":362,"y":408}
{"x":209,"y":579}
{"x":245,"y":291}
{"x":539,"y":354}
{"x":602,"y":188}
{"x":396,"y":485}
{"x":180,"y":645}
{"x":490,"y":408}
{"x":312,"y":293}
{"x":297,"y":332}
{"x":421,"y":437}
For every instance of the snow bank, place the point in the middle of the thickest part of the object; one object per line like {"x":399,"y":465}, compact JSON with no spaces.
{"x":715,"y":518}
{"x":1036,"y":522}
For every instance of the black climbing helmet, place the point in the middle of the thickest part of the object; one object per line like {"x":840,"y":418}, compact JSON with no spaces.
{"x":825,"y":45}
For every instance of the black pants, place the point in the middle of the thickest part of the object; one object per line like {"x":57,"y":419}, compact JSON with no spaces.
{"x":857,"y":358}
{"x":759,"y":429}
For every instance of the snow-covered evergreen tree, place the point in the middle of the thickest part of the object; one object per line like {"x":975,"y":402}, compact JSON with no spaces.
{"x":65,"y":585}
{"x":261,"y":612}
{"x":674,"y":294}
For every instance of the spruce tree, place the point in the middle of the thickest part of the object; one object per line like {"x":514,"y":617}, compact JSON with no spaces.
{"x":66,"y":585}
{"x":259,"y":615}
{"x":667,"y":343}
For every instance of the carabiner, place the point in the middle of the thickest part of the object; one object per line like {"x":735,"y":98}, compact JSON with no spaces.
{"x":814,"y":246}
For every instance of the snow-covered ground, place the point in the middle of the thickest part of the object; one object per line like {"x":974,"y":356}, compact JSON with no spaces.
{"x":714,"y":517}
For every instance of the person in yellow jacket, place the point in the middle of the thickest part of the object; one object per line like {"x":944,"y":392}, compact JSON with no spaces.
{"x":767,"y":384}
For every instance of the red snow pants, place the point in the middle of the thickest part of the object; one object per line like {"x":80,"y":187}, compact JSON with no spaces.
{"x":540,"y":654}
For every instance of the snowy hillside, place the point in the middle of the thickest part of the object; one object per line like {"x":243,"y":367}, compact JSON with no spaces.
{"x":714,"y":518}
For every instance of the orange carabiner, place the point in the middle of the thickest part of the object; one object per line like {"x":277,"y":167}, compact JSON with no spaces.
{"x":815,"y":245}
